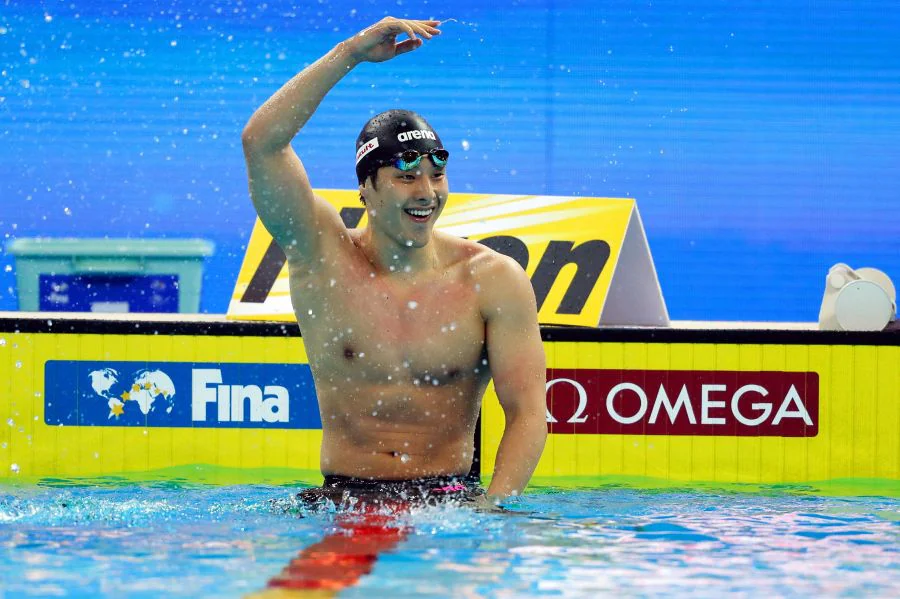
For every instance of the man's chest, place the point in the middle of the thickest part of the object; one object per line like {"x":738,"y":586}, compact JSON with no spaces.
{"x":428,"y":326}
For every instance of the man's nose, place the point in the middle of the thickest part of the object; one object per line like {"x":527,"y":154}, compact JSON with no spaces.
{"x":426,"y":190}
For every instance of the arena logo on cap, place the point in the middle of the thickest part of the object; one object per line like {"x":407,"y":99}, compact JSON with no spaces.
{"x":366,"y":148}
{"x":416,"y":134}
{"x":673,"y":402}
{"x":180,"y":394}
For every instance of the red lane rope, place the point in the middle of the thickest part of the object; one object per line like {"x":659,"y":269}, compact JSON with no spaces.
{"x":343,"y":557}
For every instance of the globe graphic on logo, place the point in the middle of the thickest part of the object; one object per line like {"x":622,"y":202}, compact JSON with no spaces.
{"x":103,"y":380}
{"x":153,"y":391}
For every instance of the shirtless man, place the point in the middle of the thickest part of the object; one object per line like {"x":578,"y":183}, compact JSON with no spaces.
{"x":404,"y":326}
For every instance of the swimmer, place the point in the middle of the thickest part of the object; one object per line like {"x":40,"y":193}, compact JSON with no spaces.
{"x":404,"y":326}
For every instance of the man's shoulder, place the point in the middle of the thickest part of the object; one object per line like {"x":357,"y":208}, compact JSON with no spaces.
{"x":483,"y":262}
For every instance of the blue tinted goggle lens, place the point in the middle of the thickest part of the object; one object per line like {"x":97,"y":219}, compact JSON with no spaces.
{"x":410,"y":159}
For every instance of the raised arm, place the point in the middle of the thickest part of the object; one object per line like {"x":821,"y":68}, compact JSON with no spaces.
{"x":279,"y":186}
{"x":519,"y":369}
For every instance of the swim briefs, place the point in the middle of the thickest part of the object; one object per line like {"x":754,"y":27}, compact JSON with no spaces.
{"x":349,"y":492}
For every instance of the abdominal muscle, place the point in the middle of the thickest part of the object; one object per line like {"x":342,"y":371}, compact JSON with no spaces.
{"x":399,"y":432}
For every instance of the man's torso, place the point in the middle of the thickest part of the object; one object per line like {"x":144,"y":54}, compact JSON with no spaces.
{"x":399,"y":362}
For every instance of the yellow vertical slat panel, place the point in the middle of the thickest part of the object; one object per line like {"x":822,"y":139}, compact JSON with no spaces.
{"x":634,"y":447}
{"x":115,"y":451}
{"x":545,"y":465}
{"x":841,"y":412}
{"x":681,"y":357}
{"x":887,"y":416}
{"x":749,"y":458}
{"x":274,"y":446}
{"x":727,"y":358}
{"x":6,"y":408}
{"x":45,"y":437}
{"x":818,"y":454}
{"x":658,"y":357}
{"x":138,"y":438}
{"x":68,"y":438}
{"x":773,"y":360}
{"x":864,"y":410}
{"x":796,"y":449}
{"x":585,"y":450}
{"x":183,"y":349}
{"x":559,"y":447}
{"x":310,"y":458}
{"x":86,"y":453}
{"x":229,"y":438}
{"x":611,"y":447}
{"x":21,"y":399}
{"x":206,"y":440}
{"x":161,"y":438}
{"x":251,"y":439}
{"x":703,"y":448}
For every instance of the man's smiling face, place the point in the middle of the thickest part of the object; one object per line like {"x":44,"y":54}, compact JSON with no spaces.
{"x":404,"y":205}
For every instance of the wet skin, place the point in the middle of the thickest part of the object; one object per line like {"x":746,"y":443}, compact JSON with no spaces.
{"x":397,"y":353}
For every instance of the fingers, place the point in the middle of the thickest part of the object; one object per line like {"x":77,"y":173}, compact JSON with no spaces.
{"x":426,"y":29}
{"x":407,"y":46}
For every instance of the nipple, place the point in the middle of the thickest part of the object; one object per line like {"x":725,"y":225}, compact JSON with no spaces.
{"x":404,"y":457}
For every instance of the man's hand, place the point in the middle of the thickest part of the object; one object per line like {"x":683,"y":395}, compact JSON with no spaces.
{"x":379,"y":42}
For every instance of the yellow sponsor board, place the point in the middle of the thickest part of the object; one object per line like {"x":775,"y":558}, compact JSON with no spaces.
{"x":56,"y":425}
{"x":839,"y":408}
{"x":579,"y":253}
{"x":661,"y":405}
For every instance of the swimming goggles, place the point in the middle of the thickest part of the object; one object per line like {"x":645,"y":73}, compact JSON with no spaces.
{"x":410,"y":159}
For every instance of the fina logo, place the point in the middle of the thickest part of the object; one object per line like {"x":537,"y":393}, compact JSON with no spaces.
{"x":416,"y":134}
{"x":267,"y":404}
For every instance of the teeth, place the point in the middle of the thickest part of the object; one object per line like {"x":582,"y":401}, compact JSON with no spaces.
{"x":415,"y":212}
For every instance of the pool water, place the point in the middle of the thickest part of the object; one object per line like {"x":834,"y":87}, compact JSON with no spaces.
{"x":149,"y":539}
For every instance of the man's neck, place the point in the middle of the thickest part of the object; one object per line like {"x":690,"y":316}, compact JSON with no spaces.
{"x":390,"y":258}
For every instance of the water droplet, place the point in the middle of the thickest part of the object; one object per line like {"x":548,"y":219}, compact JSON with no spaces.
{"x":466,"y":145}
{"x":67,"y":211}
{"x":14,"y":468}
{"x":2,"y":342}
{"x":96,"y":455}
{"x":331,"y":282}
{"x":404,"y":457}
{"x":413,"y":304}
{"x":18,"y":364}
{"x":409,"y":243}
{"x":11,"y":422}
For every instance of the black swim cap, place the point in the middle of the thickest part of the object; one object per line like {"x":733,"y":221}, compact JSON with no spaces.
{"x":388,"y":134}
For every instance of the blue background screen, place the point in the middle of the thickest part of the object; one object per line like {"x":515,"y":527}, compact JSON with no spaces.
{"x":758,"y":137}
